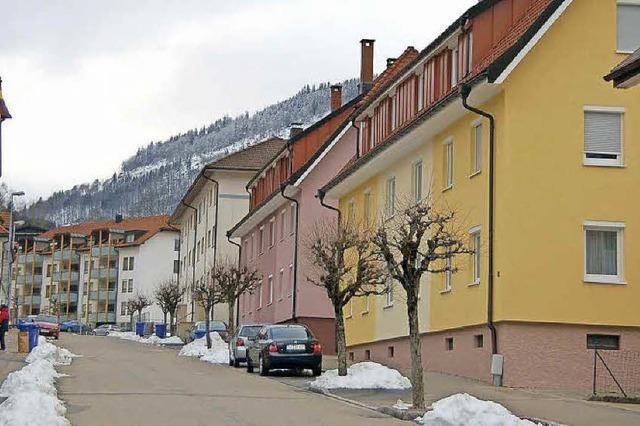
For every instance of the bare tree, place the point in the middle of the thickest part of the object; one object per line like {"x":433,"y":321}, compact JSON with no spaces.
{"x":206,"y":295}
{"x":232,"y":281}
{"x":139,"y":302}
{"x":347,"y":267}
{"x":168,"y":295}
{"x":131,"y":310}
{"x":419,"y":239}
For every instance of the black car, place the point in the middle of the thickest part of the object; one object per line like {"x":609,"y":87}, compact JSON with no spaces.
{"x":284,"y":347}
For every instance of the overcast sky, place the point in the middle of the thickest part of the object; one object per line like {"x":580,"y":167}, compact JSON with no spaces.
{"x":88,"y":82}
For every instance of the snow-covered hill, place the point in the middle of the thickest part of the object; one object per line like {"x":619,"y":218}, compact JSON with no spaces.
{"x":154,"y":180}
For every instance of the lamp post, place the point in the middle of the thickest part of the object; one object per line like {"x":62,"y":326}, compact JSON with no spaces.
{"x":12,"y":253}
{"x":4,"y":115}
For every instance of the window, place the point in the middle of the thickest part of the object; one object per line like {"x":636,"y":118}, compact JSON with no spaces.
{"x":352,"y":356}
{"x":351,"y":212}
{"x":476,"y":148}
{"x":260,"y":240}
{"x":209,"y":238}
{"x":176,"y":266}
{"x":270,"y":289}
{"x":281,"y":282}
{"x":123,"y":308}
{"x":478,"y":340}
{"x":454,"y":67}
{"x":260,"y":296}
{"x":213,"y":236}
{"x":365,"y":303}
{"x":391,"y":351}
{"x":176,"y":244}
{"x":628,"y":28}
{"x":198,"y":250}
{"x":129,"y":238}
{"x":283,"y":222}
{"x":130,"y":286}
{"x":124,"y":286}
{"x":367,"y":355}
{"x":448,"y":343}
{"x":125,"y":264}
{"x":603,"y":136}
{"x":603,"y":341}
{"x":367,"y":208}
{"x":272,"y":232}
{"x":448,"y":275}
{"x":448,"y":163}
{"x":49,"y":271}
{"x":475,"y":256}
{"x":603,"y":252}
{"x":389,"y":293}
{"x":292,"y":219}
{"x":390,"y":200}
{"x":291,"y":278}
{"x":416,"y":181}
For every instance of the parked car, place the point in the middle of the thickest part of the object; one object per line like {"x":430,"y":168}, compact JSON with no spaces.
{"x":48,"y":324}
{"x":239,"y":342}
{"x":75,"y":326}
{"x":198,"y":330}
{"x":284,"y":347}
{"x":105,"y":329}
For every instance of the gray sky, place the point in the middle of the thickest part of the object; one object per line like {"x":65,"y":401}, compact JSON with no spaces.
{"x":88,"y":82}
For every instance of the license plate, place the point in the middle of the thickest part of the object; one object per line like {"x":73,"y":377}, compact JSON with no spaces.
{"x":296,"y":347}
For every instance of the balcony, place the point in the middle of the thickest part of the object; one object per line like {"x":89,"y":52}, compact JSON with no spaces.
{"x":29,"y":279}
{"x":66,"y":276}
{"x":102,"y":295}
{"x":71,"y":297}
{"x":66,"y":254}
{"x":29,"y":300}
{"x":33,"y":258}
{"x":104,"y":252}
{"x":111,"y":273}
{"x":102,"y":317}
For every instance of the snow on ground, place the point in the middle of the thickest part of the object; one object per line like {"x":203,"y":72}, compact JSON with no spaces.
{"x":218,"y":354}
{"x":151,"y":340}
{"x":463,"y":409}
{"x":32,"y":399}
{"x":363,"y":375}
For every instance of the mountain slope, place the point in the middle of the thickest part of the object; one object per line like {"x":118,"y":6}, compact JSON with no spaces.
{"x":154,"y":180}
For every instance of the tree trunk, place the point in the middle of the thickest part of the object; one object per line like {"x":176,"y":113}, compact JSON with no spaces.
{"x":172,"y":317}
{"x":140,"y":315}
{"x":232,"y":324}
{"x":164,"y":315}
{"x":417,"y":380}
{"x":341,"y":343}
{"x":206,"y":327}
{"x":133,"y":328}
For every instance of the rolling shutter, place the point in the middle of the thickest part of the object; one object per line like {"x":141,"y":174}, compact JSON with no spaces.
{"x":602,"y":132}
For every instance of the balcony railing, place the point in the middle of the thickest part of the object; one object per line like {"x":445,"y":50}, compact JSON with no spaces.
{"x":111,"y":273}
{"x":66,"y":254}
{"x":29,"y":300}
{"x":103,"y":295}
{"x":103,"y":317}
{"x":64,"y":276}
{"x":71,"y":297}
{"x":29,"y":279}
{"x":104,"y":252}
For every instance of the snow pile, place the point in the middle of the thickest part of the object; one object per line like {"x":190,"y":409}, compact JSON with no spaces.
{"x":363,"y":375}
{"x":151,"y":340}
{"x":31,"y":393}
{"x":218,"y":354}
{"x":463,"y":409}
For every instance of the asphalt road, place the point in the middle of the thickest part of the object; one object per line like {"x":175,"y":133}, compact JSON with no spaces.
{"x":122,"y":382}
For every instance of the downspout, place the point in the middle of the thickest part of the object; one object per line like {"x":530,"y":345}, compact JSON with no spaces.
{"x":353,"y":123}
{"x":239,"y":258}
{"x":320,"y":195}
{"x":193,"y":260}
{"x":465,"y":91}
{"x":294,"y":301}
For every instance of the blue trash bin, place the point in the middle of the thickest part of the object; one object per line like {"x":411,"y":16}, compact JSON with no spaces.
{"x":140,"y":329}
{"x":34,"y":332}
{"x":23,"y":326}
{"x":161,"y":330}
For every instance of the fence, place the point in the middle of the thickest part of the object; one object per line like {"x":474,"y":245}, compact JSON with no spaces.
{"x":616,"y":373}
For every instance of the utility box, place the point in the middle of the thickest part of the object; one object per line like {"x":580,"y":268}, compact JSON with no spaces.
{"x":497,"y":368}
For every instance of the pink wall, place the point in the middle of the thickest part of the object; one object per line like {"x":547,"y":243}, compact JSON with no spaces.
{"x":312,"y":301}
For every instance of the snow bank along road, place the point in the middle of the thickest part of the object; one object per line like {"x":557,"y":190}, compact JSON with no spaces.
{"x":121,"y":382}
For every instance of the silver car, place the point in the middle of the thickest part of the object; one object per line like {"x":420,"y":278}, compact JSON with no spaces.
{"x":239,"y":342}
{"x":104,"y":329}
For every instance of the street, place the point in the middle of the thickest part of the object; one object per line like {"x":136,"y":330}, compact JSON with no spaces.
{"x":118,"y":382}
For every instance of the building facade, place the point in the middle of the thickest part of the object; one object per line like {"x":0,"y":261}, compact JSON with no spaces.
{"x":541,"y":196}
{"x":215,"y":201}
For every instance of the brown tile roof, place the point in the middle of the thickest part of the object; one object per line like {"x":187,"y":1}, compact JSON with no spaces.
{"x":151,"y":224}
{"x":250,"y":158}
{"x":409,"y":54}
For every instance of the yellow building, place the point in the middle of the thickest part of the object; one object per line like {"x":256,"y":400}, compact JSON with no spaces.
{"x":564,"y":278}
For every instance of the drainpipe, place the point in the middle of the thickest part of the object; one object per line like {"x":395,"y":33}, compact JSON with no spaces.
{"x":320,"y":195}
{"x":193,"y":260}
{"x":238,"y":300}
{"x":465,"y":91}
{"x":353,"y":123}
{"x":294,"y":301}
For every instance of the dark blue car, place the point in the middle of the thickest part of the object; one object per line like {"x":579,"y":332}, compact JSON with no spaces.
{"x":198,"y":330}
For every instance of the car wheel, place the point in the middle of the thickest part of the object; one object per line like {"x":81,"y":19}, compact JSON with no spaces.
{"x":316,"y":371}
{"x":249,"y":366}
{"x":231,"y":361}
{"x":264,"y":371}
{"x":236,"y":363}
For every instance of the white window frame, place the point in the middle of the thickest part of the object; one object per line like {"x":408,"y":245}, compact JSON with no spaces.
{"x":291,"y":278}
{"x":454,"y":66}
{"x":624,"y":3}
{"x":476,"y":259}
{"x":618,"y":227}
{"x":367,"y":207}
{"x":350,"y":310}
{"x":281,"y":280}
{"x":390,"y":197}
{"x":449,"y":163}
{"x":476,"y":160}
{"x":260,"y":295}
{"x":366,"y":304}
{"x":448,"y":276}
{"x":272,"y":232}
{"x":351,"y":212}
{"x":283,"y":221}
{"x":605,"y":162}
{"x":270,"y":283}
{"x":389,"y":294}
{"x":260,"y":240}
{"x":417,"y":183}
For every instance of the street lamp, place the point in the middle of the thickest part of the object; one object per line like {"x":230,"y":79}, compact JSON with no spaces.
{"x":12,"y":252}
{"x":4,"y":115}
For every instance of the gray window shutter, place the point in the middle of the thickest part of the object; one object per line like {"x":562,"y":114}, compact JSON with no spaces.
{"x":628,"y":27}
{"x":602,"y":132}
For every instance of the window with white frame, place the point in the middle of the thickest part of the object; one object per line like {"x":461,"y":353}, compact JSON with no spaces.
{"x":603,"y":127}
{"x":260,"y":296}
{"x":270,"y":289}
{"x":291,"y":279}
{"x":124,"y":286}
{"x":475,"y":257}
{"x":448,"y":163}
{"x":292,"y":219}
{"x":390,"y":197}
{"x":281,"y":283}
{"x":476,"y":147}
{"x":389,"y":292}
{"x":365,"y":303}
{"x":367,"y":208}
{"x":351,"y":212}
{"x":416,"y":181}
{"x":261,"y":240}
{"x":628,"y":22}
{"x":603,"y":252}
{"x":130,"y":285}
{"x":283,"y":223}
{"x":272,"y":232}
{"x":123,"y":308}
{"x":448,"y":275}
{"x":454,"y":67}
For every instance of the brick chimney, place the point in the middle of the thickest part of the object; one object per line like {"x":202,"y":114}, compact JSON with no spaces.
{"x":391,"y":61}
{"x":295,"y":129}
{"x":366,"y":64}
{"x":336,"y":97}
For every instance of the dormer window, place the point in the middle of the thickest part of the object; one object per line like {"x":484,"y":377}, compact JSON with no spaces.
{"x":129,"y":238}
{"x":465,"y":54}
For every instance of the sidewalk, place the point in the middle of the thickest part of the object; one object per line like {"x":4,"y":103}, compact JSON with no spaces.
{"x":11,"y":360}
{"x":556,"y":406}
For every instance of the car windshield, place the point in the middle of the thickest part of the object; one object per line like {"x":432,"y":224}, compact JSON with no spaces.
{"x":213,"y":326}
{"x":47,"y":318}
{"x":250,"y":331}
{"x":289,"y":333}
